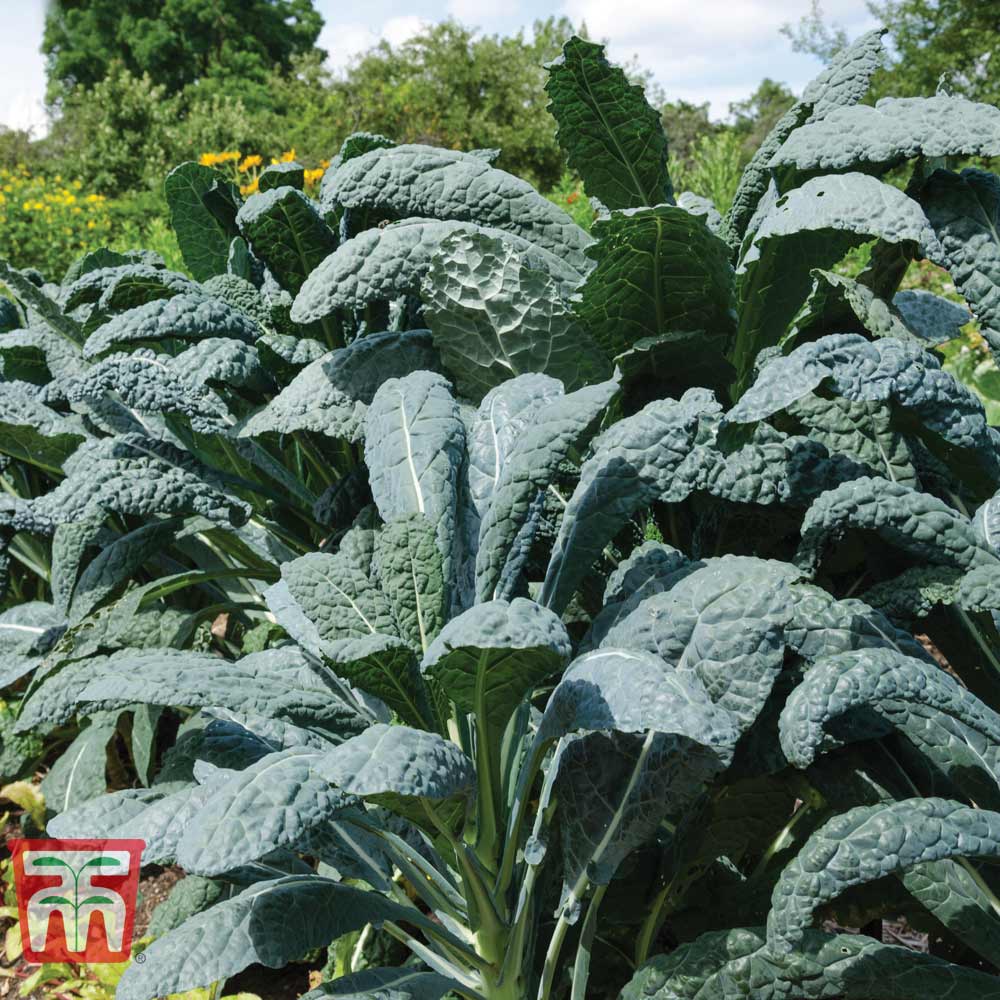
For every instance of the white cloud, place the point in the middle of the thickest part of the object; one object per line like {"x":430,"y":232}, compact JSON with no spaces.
{"x":347,"y":39}
{"x":475,"y":12}
{"x":26,"y":110}
{"x":399,"y":29}
{"x":716,"y":51}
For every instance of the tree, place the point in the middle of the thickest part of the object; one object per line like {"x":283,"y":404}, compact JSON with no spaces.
{"x":954,"y":39}
{"x":685,"y":124}
{"x":450,"y":86}
{"x":754,"y":117}
{"x":931,"y":39}
{"x":175,"y":42}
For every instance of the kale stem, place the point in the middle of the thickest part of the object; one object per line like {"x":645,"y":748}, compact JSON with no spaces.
{"x":581,"y":965}
{"x":651,"y":925}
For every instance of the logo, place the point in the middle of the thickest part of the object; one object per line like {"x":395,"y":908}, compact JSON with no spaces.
{"x":76,"y":898}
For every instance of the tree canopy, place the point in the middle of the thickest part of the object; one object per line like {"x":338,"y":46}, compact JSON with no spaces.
{"x":175,"y":42}
{"x":954,"y":41}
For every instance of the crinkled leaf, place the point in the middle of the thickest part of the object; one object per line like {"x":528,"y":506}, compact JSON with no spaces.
{"x":406,"y":983}
{"x":494,"y":316}
{"x":339,"y":599}
{"x":529,"y":466}
{"x":490,"y":657}
{"x":725,"y":623}
{"x":184,"y":317}
{"x":505,"y":412}
{"x":276,"y":683}
{"x":949,"y":724}
{"x":633,"y":463}
{"x":270,"y":805}
{"x":389,"y":262}
{"x":635,"y":692}
{"x":189,"y":896}
{"x":47,"y":308}
{"x":412,"y":181}
{"x":895,"y":129}
{"x":32,"y":432}
{"x":651,"y":568}
{"x":930,"y":316}
{"x":131,"y":474}
{"x":390,"y":764}
{"x":867,"y":843}
{"x":964,"y":210}
{"x":203,"y":237}
{"x":79,"y":774}
{"x":919,"y":524}
{"x":610,"y":134}
{"x":409,"y":568}
{"x":415,"y":451}
{"x":27,"y":632}
{"x":286,"y":232}
{"x":271,"y":923}
{"x":813,"y":226}
{"x":735,"y":964}
{"x":658,"y":269}
{"x":331,"y":394}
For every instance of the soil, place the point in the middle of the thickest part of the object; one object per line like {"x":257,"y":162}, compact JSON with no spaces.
{"x":155,"y":884}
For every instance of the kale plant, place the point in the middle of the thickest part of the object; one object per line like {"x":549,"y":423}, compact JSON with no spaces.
{"x":578,"y":613}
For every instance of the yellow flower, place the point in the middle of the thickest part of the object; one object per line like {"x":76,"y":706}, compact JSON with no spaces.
{"x":250,"y":188}
{"x":250,"y":162}
{"x":312,"y":176}
{"x":287,"y":156}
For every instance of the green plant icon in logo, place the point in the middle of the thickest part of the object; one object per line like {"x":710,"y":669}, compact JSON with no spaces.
{"x":77,"y":904}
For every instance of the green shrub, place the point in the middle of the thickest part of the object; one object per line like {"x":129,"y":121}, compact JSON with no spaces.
{"x":46,"y":222}
{"x":436,"y":573}
{"x":713,"y":168}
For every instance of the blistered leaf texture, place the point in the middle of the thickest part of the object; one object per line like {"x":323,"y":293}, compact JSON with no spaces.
{"x":489,"y":657}
{"x":736,"y":964}
{"x":386,"y":263}
{"x":271,"y":923}
{"x":287,"y":233}
{"x":185,"y":317}
{"x":964,"y":210}
{"x":895,"y":129}
{"x":330,"y":396}
{"x":899,"y":688}
{"x":399,"y":761}
{"x":813,"y":226}
{"x":725,"y":623}
{"x":410,"y":570}
{"x":414,"y":181}
{"x":272,"y":804}
{"x":494,"y":316}
{"x":633,"y":462}
{"x":658,"y":269}
{"x":632,"y":691}
{"x":531,"y":464}
{"x":415,"y":450}
{"x":917,"y":523}
{"x":867,"y":843}
{"x":502,"y":416}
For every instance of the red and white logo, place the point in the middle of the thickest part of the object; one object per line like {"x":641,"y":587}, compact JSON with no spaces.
{"x":76,"y":898}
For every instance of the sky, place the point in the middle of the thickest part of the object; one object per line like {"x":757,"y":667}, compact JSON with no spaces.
{"x":715,"y":50}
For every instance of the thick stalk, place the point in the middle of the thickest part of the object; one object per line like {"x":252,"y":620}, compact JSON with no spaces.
{"x":581,"y":965}
{"x":651,"y":925}
{"x":526,"y":777}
